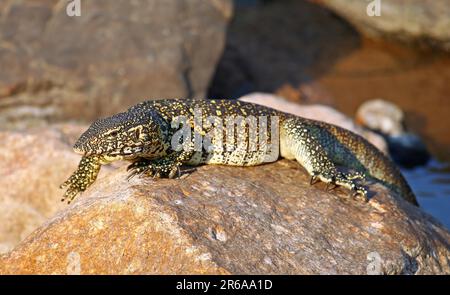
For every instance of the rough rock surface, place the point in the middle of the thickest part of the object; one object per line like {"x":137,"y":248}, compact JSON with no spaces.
{"x":423,"y":21}
{"x":32,"y":166}
{"x":316,"y":112}
{"x":115,"y":54}
{"x":264,"y":219}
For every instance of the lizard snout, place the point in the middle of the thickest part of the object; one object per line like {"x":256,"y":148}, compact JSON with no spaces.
{"x":78,"y":150}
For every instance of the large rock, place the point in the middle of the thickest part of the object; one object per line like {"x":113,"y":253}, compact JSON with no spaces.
{"x":422,"y":21}
{"x":115,"y":54}
{"x":265,"y":219}
{"x":32,"y":166}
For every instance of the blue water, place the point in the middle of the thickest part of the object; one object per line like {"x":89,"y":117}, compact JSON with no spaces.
{"x":431,"y":184}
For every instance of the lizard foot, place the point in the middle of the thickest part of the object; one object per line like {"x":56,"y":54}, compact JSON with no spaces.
{"x":330,"y":180}
{"x":348,"y":181}
{"x":81,"y":179}
{"x":335,"y":178}
{"x":160,"y":168}
{"x":72,"y":191}
{"x":138,"y":167}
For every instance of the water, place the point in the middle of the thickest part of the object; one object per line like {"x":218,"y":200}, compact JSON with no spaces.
{"x":431,"y":184}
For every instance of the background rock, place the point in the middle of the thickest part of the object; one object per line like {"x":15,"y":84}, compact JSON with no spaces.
{"x":280,"y":44}
{"x":264,"y":219}
{"x":114,"y":55}
{"x":381,"y":115}
{"x":388,"y":120}
{"x":419,"y":21}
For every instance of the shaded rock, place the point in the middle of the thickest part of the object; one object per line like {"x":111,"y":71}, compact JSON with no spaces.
{"x":419,"y":21}
{"x":387,"y":119}
{"x":408,"y":150}
{"x":114,"y":55}
{"x":316,"y":112}
{"x":280,"y":44}
{"x":264,"y":219}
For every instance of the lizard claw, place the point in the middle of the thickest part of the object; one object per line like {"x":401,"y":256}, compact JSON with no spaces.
{"x":138,"y":167}
{"x":332,"y":184}
{"x":132,"y":175}
{"x":314,"y":178}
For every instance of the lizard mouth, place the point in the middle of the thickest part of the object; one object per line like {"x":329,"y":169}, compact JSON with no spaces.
{"x":128,"y":152}
{"x":83,"y":152}
{"x":80,"y":151}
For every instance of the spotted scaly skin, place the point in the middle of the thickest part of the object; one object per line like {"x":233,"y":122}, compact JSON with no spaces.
{"x":83,"y":177}
{"x":145,"y":135}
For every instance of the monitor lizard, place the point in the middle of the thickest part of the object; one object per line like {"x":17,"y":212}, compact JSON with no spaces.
{"x":145,"y":133}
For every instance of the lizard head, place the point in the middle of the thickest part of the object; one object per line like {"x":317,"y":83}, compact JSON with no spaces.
{"x":123,"y":136}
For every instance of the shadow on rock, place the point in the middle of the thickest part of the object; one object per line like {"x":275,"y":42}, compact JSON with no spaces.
{"x":280,"y":43}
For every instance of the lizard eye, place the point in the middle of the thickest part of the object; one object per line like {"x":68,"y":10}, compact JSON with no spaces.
{"x":114,"y":133}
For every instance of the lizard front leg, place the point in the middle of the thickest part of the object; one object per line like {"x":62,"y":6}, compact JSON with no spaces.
{"x":167,"y":166}
{"x":82,"y":178}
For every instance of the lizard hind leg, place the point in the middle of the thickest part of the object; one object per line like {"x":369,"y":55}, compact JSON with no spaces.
{"x":298,"y":140}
